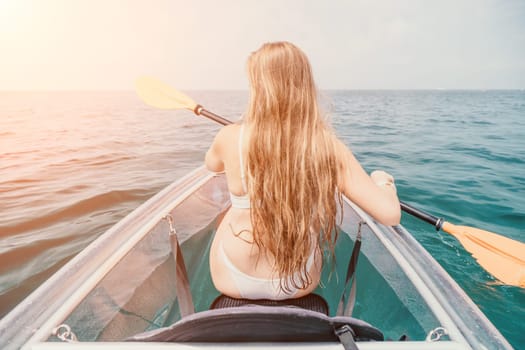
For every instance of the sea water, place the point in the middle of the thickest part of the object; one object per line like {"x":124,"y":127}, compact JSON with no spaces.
{"x":74,"y":163}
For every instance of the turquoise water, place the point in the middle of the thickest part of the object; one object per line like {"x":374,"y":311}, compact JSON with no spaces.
{"x":456,"y":154}
{"x":72,"y":164}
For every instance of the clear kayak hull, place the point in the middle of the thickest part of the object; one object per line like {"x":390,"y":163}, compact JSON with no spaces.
{"x":123,"y":283}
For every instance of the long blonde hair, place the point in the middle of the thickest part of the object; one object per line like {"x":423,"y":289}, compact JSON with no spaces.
{"x":292,"y":169}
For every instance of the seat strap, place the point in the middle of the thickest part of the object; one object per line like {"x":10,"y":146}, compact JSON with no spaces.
{"x":182,"y":285}
{"x":346,"y":337}
{"x":345,"y":307}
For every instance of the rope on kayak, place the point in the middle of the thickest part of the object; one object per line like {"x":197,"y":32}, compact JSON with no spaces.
{"x":64,"y":333}
{"x":436,"y":334}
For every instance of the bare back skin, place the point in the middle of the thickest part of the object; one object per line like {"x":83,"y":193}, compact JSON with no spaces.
{"x":234,"y":231}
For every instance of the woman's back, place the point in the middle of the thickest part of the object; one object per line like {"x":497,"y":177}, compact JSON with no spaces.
{"x":233,"y":248}
{"x":291,"y":170}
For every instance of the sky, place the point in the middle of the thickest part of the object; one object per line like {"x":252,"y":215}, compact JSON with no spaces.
{"x":365,"y":44}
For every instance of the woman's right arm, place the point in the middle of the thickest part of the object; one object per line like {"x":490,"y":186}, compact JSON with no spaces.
{"x":214,"y":156}
{"x":375,"y":193}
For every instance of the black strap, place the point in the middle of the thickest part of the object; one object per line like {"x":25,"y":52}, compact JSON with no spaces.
{"x":345,"y":307}
{"x":182,"y":285}
{"x":346,"y":337}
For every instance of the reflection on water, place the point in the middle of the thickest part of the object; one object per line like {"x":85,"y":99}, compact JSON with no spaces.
{"x":73,"y":163}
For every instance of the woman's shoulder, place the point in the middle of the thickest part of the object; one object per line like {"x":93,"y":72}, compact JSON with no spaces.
{"x":226,"y":133}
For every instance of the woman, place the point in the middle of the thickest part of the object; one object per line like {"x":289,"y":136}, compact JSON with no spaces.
{"x":286,"y":171}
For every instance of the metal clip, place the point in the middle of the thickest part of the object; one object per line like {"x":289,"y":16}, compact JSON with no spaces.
{"x":436,"y":334}
{"x":169,"y":219}
{"x":361,"y":223}
{"x":64,"y":333}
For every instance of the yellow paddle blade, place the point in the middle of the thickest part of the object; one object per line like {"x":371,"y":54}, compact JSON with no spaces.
{"x":160,"y":95}
{"x":503,"y":257}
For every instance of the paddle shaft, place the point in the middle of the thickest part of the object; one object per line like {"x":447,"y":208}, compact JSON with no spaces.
{"x":431,"y":219}
{"x":199,"y":110}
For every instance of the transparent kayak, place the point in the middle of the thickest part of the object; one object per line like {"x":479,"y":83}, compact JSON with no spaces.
{"x":123,"y":284}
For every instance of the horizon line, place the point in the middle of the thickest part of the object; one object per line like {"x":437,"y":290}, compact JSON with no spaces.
{"x":246,"y":90}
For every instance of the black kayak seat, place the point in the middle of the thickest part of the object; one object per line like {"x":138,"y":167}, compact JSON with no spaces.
{"x":311,"y":302}
{"x":259,"y":323}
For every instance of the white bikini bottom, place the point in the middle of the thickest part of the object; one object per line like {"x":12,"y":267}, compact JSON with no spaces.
{"x":250,"y":287}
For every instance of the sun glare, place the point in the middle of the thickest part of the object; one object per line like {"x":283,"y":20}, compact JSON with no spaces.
{"x":17,"y":19}
{"x":11,"y":12}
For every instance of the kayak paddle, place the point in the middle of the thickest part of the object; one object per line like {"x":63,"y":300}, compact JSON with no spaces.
{"x":160,"y":95}
{"x":502,"y":257}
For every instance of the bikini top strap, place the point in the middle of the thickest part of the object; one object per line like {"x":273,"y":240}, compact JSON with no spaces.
{"x":243,"y":180}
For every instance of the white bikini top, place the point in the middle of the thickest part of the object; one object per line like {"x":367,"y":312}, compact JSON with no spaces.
{"x":241,"y":202}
